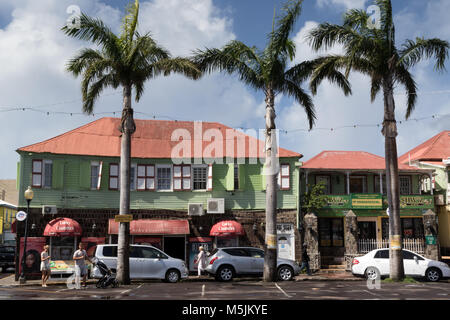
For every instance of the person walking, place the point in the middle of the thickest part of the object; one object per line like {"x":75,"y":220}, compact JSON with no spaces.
{"x":45,"y":266}
{"x":305,"y":260}
{"x":201,"y":261}
{"x":80,"y":265}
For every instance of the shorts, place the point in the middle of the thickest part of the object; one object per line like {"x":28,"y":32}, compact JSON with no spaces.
{"x":80,"y":270}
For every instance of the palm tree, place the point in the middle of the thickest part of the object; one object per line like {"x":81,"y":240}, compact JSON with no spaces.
{"x":372,"y":51}
{"x":126,"y":60}
{"x":268,"y":70}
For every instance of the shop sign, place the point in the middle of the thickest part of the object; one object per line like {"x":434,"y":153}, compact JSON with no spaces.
{"x":342,"y":202}
{"x":430,"y":239}
{"x":123,"y":218}
{"x":21,"y":215}
{"x":367,"y":201}
{"x":416,"y":202}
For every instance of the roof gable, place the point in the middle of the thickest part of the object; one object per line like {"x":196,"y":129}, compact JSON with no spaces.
{"x":436,"y":148}
{"x":153,"y":139}
{"x":349,"y":160}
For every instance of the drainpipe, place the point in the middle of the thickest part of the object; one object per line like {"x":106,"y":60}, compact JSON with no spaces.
{"x":348,"y":182}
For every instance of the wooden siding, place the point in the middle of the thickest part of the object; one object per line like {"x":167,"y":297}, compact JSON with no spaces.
{"x":71,"y":186}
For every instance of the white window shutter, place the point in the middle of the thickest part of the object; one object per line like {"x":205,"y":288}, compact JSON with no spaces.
{"x":209,"y":184}
{"x":99,"y":179}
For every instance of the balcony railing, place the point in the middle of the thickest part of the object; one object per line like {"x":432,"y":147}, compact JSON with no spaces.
{"x":367,"y":245}
{"x":377,"y":201}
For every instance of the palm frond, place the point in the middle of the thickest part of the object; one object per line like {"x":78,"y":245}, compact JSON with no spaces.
{"x":234,"y":58}
{"x":414,"y":51}
{"x":279,"y":37}
{"x":375,"y":87}
{"x":82,"y":61}
{"x":129,"y":22}
{"x":328,"y":68}
{"x":403,"y":76}
{"x":95,"y":31}
{"x":293,"y":90}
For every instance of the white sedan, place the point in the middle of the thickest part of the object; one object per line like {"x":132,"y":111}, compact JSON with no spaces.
{"x":375,"y":264}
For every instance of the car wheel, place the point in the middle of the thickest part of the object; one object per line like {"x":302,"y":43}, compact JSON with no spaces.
{"x":433,"y":274}
{"x":225,"y":273}
{"x":172,"y":276}
{"x":285,"y":273}
{"x":372,"y":273}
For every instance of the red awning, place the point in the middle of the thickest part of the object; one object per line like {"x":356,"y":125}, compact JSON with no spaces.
{"x":227,"y":228}
{"x":147,"y":226}
{"x":63,"y":227}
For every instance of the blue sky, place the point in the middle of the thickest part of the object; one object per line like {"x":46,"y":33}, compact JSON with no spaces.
{"x":33,"y":52}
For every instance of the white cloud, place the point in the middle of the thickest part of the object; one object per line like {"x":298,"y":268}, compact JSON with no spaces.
{"x":34,"y":51}
{"x":349,"y":4}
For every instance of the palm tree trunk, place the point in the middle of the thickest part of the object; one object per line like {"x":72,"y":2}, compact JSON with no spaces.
{"x":272,"y":167}
{"x":397,"y":272}
{"x":127,"y":128}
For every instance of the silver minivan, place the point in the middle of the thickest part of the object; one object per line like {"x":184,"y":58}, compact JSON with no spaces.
{"x":146,"y":262}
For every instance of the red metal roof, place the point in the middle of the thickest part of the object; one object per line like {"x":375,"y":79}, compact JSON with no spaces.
{"x":152,"y":227}
{"x":350,"y":160}
{"x":433,"y":150}
{"x":152,"y":139}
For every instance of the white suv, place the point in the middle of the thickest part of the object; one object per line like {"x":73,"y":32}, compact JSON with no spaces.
{"x":146,"y":262}
{"x":375,"y":264}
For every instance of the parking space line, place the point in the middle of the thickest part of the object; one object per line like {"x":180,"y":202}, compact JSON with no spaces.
{"x":276,"y":284}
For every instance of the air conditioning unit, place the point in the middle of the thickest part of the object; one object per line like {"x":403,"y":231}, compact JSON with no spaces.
{"x":195,"y":209}
{"x":49,"y":210}
{"x":216,"y":205}
{"x":439,"y":199}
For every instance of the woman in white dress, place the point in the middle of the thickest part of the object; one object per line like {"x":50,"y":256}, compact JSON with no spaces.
{"x":45,"y":266}
{"x":201,"y":261}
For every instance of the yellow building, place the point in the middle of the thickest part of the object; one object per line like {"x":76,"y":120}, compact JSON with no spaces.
{"x":7,"y":216}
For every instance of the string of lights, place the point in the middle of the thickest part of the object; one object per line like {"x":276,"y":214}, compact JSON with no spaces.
{"x":38,"y":109}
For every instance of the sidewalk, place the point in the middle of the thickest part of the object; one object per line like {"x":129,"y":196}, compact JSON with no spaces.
{"x":319,"y":276}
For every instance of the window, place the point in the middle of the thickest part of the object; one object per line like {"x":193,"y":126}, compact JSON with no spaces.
{"x":133,"y":173}
{"x":412,"y":228}
{"x":146,"y":177}
{"x":113,"y":176}
{"x":37,"y":173}
{"x":254,"y":253}
{"x":376,"y":180}
{"x":200,"y":177}
{"x":357,"y":184}
{"x":110,"y":251}
{"x":150,"y":253}
{"x":96,"y":174}
{"x":236,"y":177}
{"x":237,"y":252}
{"x":382,"y":254}
{"x":42,"y":171}
{"x":405,"y":185}
{"x":164,"y":178}
{"x":284,"y":177}
{"x":325,"y":180}
{"x":48,"y":170}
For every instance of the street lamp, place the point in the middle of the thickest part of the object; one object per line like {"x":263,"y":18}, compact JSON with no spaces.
{"x":28,"y":196}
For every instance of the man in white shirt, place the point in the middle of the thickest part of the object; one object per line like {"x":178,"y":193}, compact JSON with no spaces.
{"x":80,"y":265}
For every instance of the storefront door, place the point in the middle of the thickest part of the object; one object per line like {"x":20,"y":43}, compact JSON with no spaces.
{"x":175,"y":247}
{"x":331,"y":237}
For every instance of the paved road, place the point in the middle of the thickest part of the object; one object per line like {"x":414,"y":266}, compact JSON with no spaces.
{"x":239,"y":290}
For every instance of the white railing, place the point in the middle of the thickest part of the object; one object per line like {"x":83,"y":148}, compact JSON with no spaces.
{"x":366,"y":245}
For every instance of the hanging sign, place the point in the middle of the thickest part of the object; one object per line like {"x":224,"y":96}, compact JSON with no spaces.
{"x":123,"y":218}
{"x":21,"y":215}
